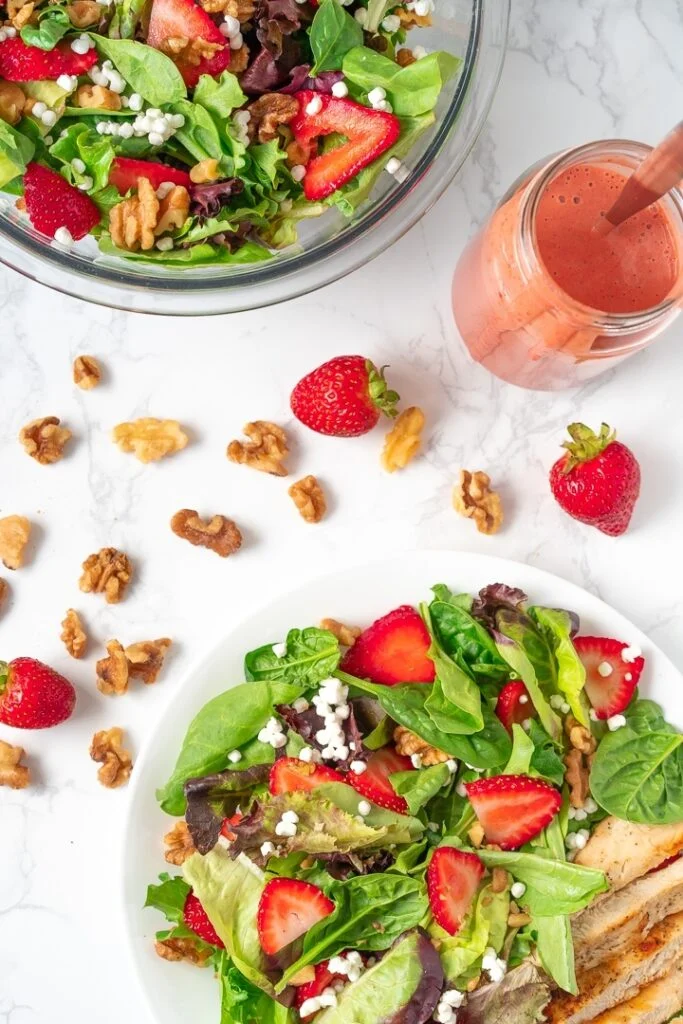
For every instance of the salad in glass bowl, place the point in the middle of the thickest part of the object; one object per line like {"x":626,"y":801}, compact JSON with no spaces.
{"x":413,"y":822}
{"x":190,"y":134}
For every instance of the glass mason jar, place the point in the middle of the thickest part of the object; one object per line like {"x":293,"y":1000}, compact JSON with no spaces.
{"x":517,"y":321}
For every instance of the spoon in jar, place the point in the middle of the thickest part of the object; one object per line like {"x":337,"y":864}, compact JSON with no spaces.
{"x":659,"y":172}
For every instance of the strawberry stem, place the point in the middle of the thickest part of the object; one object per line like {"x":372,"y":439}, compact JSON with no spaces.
{"x":380,"y":394}
{"x":4,"y":676}
{"x":585,"y":444}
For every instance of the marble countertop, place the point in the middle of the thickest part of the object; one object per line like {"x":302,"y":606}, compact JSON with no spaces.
{"x":574,"y":71}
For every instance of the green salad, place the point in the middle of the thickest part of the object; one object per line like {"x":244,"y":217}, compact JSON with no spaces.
{"x":188,"y":133}
{"x":400,"y":830}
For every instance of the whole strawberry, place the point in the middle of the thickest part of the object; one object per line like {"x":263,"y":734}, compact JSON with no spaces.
{"x":33,"y":695}
{"x":598,"y":480}
{"x":344,"y":397}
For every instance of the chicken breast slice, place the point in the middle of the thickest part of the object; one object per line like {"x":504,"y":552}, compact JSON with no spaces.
{"x":625,"y":851}
{"x":654,"y":1004}
{"x":622,"y":977}
{"x":610,"y":925}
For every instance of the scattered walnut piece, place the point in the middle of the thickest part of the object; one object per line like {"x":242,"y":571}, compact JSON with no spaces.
{"x":308,"y":496}
{"x":149,"y":438}
{"x":44,"y":439}
{"x":136,"y":222}
{"x":476,"y":834}
{"x":577,"y":775}
{"x":113,"y":671}
{"x":12,"y":102}
{"x":409,"y":19}
{"x":518,"y":920}
{"x":403,"y":441}
{"x":298,"y":153}
{"x":239,"y":60}
{"x":179,"y":843}
{"x":73,"y":636}
{"x":190,"y":51}
{"x":97,"y":96}
{"x":500,"y":880}
{"x":146,"y":659}
{"x":405,"y":57}
{"x":346,"y":635}
{"x":14,"y":534}
{"x":218,"y":533}
{"x":12,"y":773}
{"x":19,"y":12}
{"x":243,"y":10}
{"x":107,"y":748}
{"x":580,"y":737}
{"x":205,"y":170}
{"x":84,"y":12}
{"x":473,"y":499}
{"x":182,"y":949}
{"x":408,"y":743}
{"x":107,"y":572}
{"x":87,"y":373}
{"x":268,"y":112}
{"x":266,"y":450}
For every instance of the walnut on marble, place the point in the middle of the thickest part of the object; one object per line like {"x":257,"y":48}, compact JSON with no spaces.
{"x":113,"y":671}
{"x":73,"y":635}
{"x":107,"y":749}
{"x":15,"y":532}
{"x":309,"y":498}
{"x":218,"y":534}
{"x":150,"y":439}
{"x":12,"y":772}
{"x":403,"y":441}
{"x":87,"y":372}
{"x":44,"y":439}
{"x":107,"y":572}
{"x":474,"y":499}
{"x":266,"y":449}
{"x":146,"y":659}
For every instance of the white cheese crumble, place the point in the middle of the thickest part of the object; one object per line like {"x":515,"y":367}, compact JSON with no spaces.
{"x":631,"y":654}
{"x":605,"y":669}
{"x":235,"y":755}
{"x":364,"y":808}
{"x":279,"y":650}
{"x":267,"y":848}
{"x":517,"y":890}
{"x":616,"y":722}
{"x":341,"y":89}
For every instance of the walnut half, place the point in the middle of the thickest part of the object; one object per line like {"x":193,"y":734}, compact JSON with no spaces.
{"x":146,"y":659}
{"x":107,"y":572}
{"x":150,"y":439}
{"x":12,"y":773}
{"x":44,"y":439}
{"x":473,"y":498}
{"x":266,"y":450}
{"x":113,"y":671}
{"x":308,"y":496}
{"x":86,"y":373}
{"x":346,"y":635}
{"x":182,"y":949}
{"x":409,"y":743}
{"x":107,"y":749}
{"x":14,"y":535}
{"x":219,"y":534}
{"x":403,"y":441}
{"x":179,"y":844}
{"x":268,"y":112}
{"x":73,"y":636}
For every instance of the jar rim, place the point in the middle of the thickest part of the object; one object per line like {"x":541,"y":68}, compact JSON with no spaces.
{"x":530,"y":258}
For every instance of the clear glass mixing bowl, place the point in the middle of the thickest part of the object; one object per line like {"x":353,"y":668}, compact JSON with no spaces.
{"x":330,"y":246}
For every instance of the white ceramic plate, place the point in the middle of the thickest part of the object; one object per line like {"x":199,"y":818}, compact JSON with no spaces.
{"x":180,"y":993}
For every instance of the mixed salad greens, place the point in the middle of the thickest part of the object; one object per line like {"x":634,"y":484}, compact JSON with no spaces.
{"x":244,"y":116}
{"x":390,"y":831}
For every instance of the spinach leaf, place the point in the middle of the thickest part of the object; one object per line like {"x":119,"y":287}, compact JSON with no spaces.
{"x":484,"y":927}
{"x":221,"y":95}
{"x":552,"y":886}
{"x":16,"y":152}
{"x":443,"y":593}
{"x":410,"y":860}
{"x":311,"y":655}
{"x":454,"y":703}
{"x":168,"y":897}
{"x":527,"y":653}
{"x":554,"y":942}
{"x":412,"y":90}
{"x":147,"y":71}
{"x":556,"y":626}
{"x":464,"y":639}
{"x":419,"y":787}
{"x":382,"y":734}
{"x":332,"y":34}
{"x":53,"y":24}
{"x":545,"y":760}
{"x":371,"y":912}
{"x":226,"y":723}
{"x":637,"y":773}
{"x":647,"y":716}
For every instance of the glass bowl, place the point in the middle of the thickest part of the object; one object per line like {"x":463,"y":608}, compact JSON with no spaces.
{"x":329,"y":247}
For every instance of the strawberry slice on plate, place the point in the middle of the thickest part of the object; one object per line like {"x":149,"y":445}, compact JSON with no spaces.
{"x":611,"y":678}
{"x":368,"y":134}
{"x":124,"y":173}
{"x":453,"y":877}
{"x":374,"y":782}
{"x":184,"y":19}
{"x":52,"y":203}
{"x":289,"y":774}
{"x":288,"y":908}
{"x":196,"y":919}
{"x":513,"y":808}
{"x":514,"y":704}
{"x":22,"y":63}
{"x":392,"y":650}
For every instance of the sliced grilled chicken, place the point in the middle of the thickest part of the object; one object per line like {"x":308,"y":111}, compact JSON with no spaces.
{"x":622,"y":977}
{"x":625,"y":851}
{"x":654,"y":1004}
{"x":622,"y":918}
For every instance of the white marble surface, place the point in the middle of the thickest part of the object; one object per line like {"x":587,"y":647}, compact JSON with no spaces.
{"x":575,"y":71}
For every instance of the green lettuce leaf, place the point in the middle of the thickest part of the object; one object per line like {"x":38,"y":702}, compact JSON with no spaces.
{"x":16,"y":152}
{"x":53,"y":24}
{"x":221,"y":95}
{"x":202,"y":254}
{"x":244,"y":1003}
{"x":419,"y":787}
{"x":126,"y":18}
{"x":411,"y":90}
{"x":552,"y":886}
{"x":484,"y":927}
{"x":168,"y":896}
{"x":528,"y":654}
{"x":397,"y":828}
{"x":554,"y":942}
{"x":556,"y":626}
{"x":82,"y":142}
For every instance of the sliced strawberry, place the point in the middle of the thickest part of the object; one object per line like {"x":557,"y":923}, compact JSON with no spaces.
{"x":323,"y":979}
{"x":514,"y":704}
{"x":196,"y":919}
{"x":392,"y":650}
{"x":369,"y":133}
{"x":453,"y":878}
{"x":227,"y":822}
{"x":124,"y":174}
{"x":610,"y":679}
{"x":289,"y":774}
{"x":286,"y":910}
{"x":187,"y":20}
{"x":374,"y":782}
{"x":22,"y":63}
{"x":513,"y":808}
{"x":51,"y":203}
